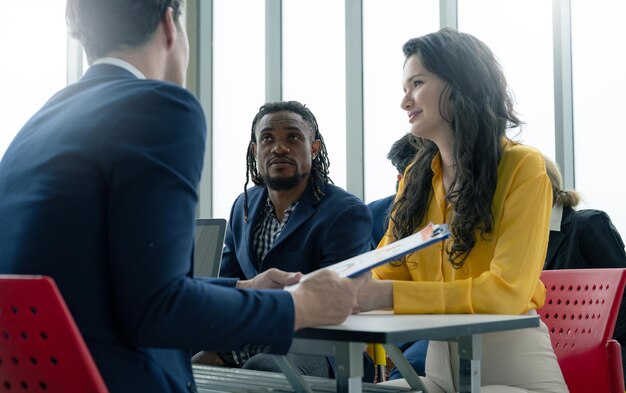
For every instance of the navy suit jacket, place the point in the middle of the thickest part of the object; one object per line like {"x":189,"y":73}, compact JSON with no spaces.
{"x":318,"y":233}
{"x":98,"y":190}
{"x":380,"y":213}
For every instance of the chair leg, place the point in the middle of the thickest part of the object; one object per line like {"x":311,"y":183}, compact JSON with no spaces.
{"x":614,"y":361}
{"x":380,"y":360}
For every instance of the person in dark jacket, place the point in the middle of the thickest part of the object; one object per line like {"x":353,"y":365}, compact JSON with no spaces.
{"x":583,"y":239}
{"x":401,"y":154}
{"x":294,"y":218}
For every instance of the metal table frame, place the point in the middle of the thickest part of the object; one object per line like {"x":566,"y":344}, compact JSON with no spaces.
{"x":348,"y":341}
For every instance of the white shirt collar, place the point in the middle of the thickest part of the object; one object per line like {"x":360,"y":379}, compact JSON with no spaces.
{"x":555,"y":217}
{"x":122,"y":64}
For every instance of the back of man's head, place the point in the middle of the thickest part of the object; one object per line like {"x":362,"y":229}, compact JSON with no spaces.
{"x":403,"y":152}
{"x":103,"y":26}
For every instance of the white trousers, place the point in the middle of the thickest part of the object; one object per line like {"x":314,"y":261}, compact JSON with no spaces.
{"x":513,"y":361}
{"x":516,"y":361}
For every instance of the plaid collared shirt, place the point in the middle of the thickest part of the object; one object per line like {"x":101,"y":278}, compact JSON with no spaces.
{"x":265,"y":233}
{"x":268,"y":229}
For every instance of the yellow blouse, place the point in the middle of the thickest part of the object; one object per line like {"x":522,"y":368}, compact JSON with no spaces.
{"x":501,"y":273}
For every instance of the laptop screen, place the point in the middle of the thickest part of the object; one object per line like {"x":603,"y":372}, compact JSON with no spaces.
{"x":209,"y":244}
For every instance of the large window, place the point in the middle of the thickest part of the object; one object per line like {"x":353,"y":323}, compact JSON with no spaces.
{"x":314,"y":70}
{"x":519,"y":32}
{"x":239,"y":91}
{"x":34,"y":61}
{"x":313,"y":63}
{"x":386,"y":26}
{"x":599,"y":84}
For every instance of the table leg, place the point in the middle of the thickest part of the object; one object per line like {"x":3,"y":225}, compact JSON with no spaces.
{"x":349,"y":366}
{"x":470,"y":351}
{"x":405,"y":368}
{"x":293,"y":376}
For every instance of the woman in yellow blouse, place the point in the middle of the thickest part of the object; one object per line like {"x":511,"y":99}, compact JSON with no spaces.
{"x":496,"y":198}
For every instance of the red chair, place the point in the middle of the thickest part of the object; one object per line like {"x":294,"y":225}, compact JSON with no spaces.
{"x":41,"y":349}
{"x":580,"y":312}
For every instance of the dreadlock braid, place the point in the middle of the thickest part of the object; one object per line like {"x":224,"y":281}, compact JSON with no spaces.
{"x":320,"y":163}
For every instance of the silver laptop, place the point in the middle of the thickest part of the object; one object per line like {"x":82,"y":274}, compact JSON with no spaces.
{"x":209,"y":244}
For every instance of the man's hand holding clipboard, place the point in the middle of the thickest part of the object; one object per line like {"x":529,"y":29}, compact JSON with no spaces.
{"x":430,"y":234}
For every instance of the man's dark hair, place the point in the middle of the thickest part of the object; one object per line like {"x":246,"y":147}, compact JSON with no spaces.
{"x":402,"y":152}
{"x":319,"y":167}
{"x":103,"y":26}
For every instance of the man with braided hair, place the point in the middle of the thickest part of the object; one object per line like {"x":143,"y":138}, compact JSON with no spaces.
{"x":293,"y":218}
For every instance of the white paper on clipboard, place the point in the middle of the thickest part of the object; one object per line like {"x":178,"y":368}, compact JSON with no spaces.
{"x":352,"y":267}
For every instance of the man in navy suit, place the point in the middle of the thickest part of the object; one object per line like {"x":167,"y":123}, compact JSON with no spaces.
{"x":294,"y":219}
{"x":401,"y":154}
{"x":99,"y":189}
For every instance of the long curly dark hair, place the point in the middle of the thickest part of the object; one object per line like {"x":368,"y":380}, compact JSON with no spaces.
{"x":479,"y":109}
{"x":320,"y":164}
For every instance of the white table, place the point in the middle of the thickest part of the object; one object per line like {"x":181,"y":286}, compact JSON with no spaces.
{"x":347,"y":341}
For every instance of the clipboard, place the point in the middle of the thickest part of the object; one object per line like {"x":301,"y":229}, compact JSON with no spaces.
{"x":357,"y":265}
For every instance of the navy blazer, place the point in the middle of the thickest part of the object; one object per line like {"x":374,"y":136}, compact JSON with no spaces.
{"x":380,"y":213}
{"x":318,"y":233}
{"x":99,"y":190}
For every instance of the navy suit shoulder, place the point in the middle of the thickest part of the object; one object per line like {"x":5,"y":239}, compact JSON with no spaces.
{"x":98,"y":191}
{"x":380,"y":213}
{"x":318,"y":233}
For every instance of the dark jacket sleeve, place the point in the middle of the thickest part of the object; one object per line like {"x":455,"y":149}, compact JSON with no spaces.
{"x":229,"y":266}
{"x":347,"y":235}
{"x":156,"y":165}
{"x":380,"y":216}
{"x":600,"y":243}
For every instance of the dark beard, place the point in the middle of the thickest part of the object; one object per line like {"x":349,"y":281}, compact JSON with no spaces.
{"x":283,"y":183}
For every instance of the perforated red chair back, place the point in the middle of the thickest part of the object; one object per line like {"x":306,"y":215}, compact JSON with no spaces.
{"x":580,"y":312}
{"x":41,"y":349}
